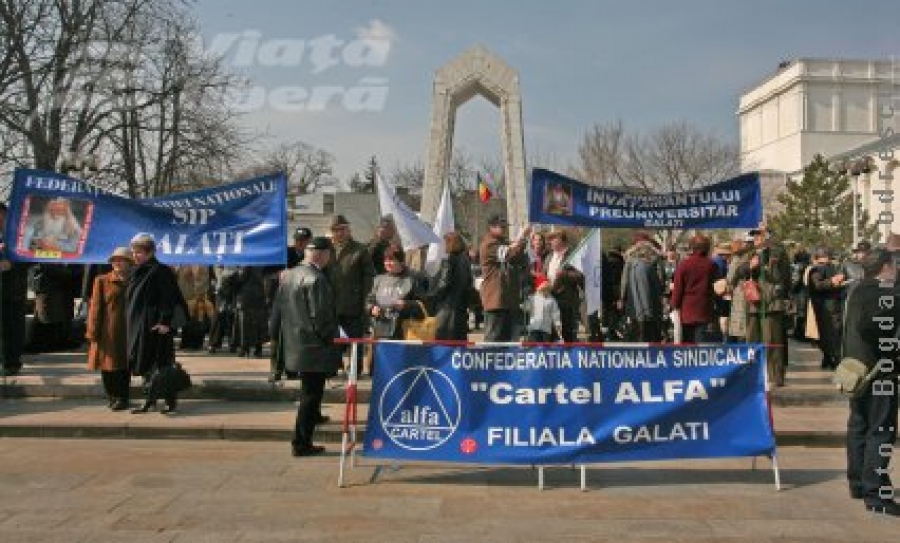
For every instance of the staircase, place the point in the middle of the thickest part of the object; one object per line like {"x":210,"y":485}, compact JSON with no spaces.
{"x":55,"y":396}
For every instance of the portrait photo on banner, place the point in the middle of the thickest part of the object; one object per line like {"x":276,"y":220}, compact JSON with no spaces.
{"x":558,"y":199}
{"x":53,"y":226}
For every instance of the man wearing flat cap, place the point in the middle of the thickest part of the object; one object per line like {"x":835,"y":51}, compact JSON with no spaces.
{"x":351,"y":270}
{"x":304,"y":312}
{"x":502,"y":264}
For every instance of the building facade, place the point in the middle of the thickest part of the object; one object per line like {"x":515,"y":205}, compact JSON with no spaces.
{"x":315,"y":211}
{"x":845,"y":110}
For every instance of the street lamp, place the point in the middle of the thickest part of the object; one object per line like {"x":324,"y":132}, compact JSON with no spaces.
{"x":862,"y":165}
{"x":76,"y":162}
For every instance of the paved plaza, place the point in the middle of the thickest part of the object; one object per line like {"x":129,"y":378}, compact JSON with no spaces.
{"x":229,"y":475}
{"x":192,"y":491}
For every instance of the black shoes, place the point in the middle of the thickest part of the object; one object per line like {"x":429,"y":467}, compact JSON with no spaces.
{"x":307,"y":450}
{"x":119,"y":404}
{"x":171,"y":406}
{"x":148,"y":405}
{"x":891,"y":508}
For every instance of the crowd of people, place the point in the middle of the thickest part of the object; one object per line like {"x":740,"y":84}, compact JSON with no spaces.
{"x":752,"y":289}
{"x":748,"y":290}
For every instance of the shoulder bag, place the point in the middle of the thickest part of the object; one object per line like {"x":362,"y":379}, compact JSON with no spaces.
{"x":424,"y":329}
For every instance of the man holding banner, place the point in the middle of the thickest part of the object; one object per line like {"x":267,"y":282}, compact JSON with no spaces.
{"x":501,"y":265}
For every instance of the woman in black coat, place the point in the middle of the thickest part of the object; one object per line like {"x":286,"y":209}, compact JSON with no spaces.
{"x":450,"y":293}
{"x":155,"y":308}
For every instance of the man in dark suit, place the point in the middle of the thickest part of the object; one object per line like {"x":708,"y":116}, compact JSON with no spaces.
{"x":304,"y":311}
{"x":871,"y":330}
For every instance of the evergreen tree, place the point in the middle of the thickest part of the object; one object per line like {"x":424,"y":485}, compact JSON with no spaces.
{"x":818,"y":210}
{"x":367,"y":183}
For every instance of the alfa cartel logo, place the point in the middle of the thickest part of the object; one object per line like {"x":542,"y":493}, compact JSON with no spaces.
{"x":419,"y":409}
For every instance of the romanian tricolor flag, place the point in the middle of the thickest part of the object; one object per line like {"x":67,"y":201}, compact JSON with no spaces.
{"x":484,"y":191}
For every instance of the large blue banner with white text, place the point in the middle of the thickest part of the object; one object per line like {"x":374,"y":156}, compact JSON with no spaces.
{"x":56,"y":218}
{"x":556,"y":199}
{"x":563,"y":405}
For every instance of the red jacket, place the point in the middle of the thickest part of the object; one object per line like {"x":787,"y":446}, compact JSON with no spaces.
{"x":693,"y":290}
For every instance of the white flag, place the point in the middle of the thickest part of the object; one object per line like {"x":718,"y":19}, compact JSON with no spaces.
{"x":588,"y":259}
{"x":413,"y":231}
{"x":443,"y":224}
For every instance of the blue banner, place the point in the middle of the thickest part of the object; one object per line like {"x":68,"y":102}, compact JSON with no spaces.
{"x":556,"y":199}
{"x":56,"y":218}
{"x":563,"y":405}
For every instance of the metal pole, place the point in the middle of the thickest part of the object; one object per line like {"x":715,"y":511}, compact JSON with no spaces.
{"x":855,"y":210}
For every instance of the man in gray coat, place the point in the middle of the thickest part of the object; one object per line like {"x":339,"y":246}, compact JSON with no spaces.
{"x":304,"y":311}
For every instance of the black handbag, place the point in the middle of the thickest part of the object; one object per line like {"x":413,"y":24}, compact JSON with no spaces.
{"x":385,"y":327}
{"x":168,"y":381}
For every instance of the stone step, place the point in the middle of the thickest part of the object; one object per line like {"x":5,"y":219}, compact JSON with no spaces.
{"x":225,"y":377}
{"x":270,"y":421}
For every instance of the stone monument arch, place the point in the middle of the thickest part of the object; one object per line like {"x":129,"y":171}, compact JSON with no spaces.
{"x":477,"y":72}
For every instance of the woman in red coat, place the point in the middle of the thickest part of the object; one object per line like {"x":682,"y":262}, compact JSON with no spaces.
{"x":692,"y":293}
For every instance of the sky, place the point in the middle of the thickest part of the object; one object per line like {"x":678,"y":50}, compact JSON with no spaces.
{"x":354,"y":77}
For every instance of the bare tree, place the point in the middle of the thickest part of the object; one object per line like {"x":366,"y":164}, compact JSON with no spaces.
{"x":674,"y":158}
{"x":307,"y":168}
{"x":119,"y":78}
{"x":173,"y":128}
{"x":602,"y":155}
{"x":47,"y":53}
{"x":410,"y":176}
{"x":677,"y":157}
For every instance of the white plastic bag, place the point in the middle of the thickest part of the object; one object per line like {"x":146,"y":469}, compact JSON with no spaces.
{"x":675,"y":315}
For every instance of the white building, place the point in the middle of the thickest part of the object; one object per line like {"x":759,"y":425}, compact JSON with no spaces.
{"x":841,"y":109}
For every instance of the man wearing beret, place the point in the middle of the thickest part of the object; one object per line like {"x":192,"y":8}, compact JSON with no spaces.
{"x":305,"y":314}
